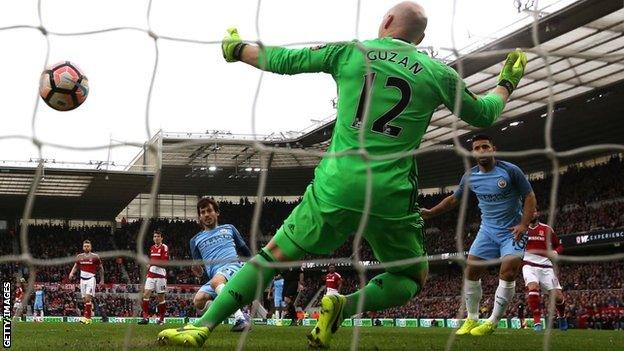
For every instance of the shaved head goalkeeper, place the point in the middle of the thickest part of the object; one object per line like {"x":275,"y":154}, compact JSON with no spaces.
{"x":387,"y":91}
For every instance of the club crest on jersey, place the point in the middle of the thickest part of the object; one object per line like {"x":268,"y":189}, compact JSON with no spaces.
{"x":502,"y":183}
{"x":318,"y":47}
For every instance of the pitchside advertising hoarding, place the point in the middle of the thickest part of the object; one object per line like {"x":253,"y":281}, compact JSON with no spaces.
{"x":506,"y":323}
{"x":597,"y":237}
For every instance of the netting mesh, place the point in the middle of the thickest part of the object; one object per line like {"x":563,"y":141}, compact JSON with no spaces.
{"x":266,"y":152}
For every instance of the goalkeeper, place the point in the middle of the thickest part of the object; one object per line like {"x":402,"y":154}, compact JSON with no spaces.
{"x":391,"y":104}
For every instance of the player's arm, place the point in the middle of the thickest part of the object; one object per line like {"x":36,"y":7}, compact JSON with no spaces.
{"x":278,"y":59}
{"x":555,"y":242}
{"x":530,"y":202}
{"x":101,"y":270}
{"x":482,"y":111}
{"x":339,"y":282}
{"x":197,"y":270}
{"x":449,"y":202}
{"x":241,"y":246}
{"x":73,"y":270}
{"x":165,"y":253}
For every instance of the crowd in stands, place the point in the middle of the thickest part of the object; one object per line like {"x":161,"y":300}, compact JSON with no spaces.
{"x":588,"y":199}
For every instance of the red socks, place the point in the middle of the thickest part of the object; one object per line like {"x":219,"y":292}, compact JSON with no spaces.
{"x":162,"y":308}
{"x":87,"y":310}
{"x":145,"y":307}
{"x":534,"y":304}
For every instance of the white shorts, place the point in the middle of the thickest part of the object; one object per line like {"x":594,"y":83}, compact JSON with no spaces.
{"x":87,"y":286}
{"x":332,"y":291}
{"x":159,"y":285}
{"x":545,"y":277}
{"x":17,"y":305}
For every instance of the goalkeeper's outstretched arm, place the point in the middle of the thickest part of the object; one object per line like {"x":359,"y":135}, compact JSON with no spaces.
{"x":278,"y":59}
{"x":449,"y":203}
{"x":482,"y":111}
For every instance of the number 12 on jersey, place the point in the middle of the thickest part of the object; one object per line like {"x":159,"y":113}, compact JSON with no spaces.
{"x":382,"y":124}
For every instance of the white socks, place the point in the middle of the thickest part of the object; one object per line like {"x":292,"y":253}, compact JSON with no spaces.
{"x":473,"y":298}
{"x":238,"y":315}
{"x":504,"y":293}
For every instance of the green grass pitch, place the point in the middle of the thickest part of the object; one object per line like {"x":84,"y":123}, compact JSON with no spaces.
{"x":74,"y":336}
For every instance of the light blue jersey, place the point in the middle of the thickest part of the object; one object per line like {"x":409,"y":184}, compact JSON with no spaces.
{"x":38,"y":305}
{"x":500,"y":192}
{"x":278,"y":292}
{"x":221,"y":244}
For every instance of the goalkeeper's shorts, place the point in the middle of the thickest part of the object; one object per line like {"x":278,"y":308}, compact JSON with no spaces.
{"x":318,"y":228}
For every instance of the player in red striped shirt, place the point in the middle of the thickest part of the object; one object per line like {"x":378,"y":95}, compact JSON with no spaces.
{"x":333,"y":281}
{"x":538,"y":271}
{"x":156,"y":279}
{"x":88,"y":263}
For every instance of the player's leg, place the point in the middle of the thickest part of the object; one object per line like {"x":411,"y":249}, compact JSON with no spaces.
{"x":531,"y":280}
{"x":162,"y":307}
{"x":88,"y":290}
{"x":202,"y":298}
{"x":289,"y":301}
{"x":88,"y":307}
{"x":161,"y":289}
{"x":391,"y":240}
{"x":549,"y":281}
{"x":534,"y":302}
{"x":277,"y":302}
{"x":150,"y":285}
{"x":511,"y":253}
{"x":483,"y":248}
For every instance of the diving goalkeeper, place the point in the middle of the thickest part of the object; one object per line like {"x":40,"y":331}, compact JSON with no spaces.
{"x":391,"y":104}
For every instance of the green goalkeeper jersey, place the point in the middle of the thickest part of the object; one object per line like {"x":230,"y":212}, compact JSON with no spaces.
{"x":404,"y":88}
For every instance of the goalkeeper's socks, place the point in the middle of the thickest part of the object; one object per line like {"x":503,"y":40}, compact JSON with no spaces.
{"x":145,"y":308}
{"x":87,"y":311}
{"x":473,"y":294}
{"x":504,"y":293}
{"x":384,"y":291}
{"x":533,"y":299}
{"x":162,"y":308}
{"x":239,"y":291}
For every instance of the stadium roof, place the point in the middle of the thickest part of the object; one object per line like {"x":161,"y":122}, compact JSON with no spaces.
{"x":69,"y":193}
{"x":585,"y":42}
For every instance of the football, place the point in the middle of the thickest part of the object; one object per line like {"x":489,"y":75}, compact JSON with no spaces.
{"x":63,"y":86}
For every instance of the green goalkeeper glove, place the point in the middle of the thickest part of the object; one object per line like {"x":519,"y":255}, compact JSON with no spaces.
{"x":232,"y":46}
{"x":513,"y":70}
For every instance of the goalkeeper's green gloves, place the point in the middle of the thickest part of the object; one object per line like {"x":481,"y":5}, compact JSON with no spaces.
{"x":513,"y":70}
{"x":232,"y":46}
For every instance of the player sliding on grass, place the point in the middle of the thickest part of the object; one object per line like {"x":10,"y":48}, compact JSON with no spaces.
{"x":500,"y":187}
{"x":216,"y":243}
{"x":391,"y":105}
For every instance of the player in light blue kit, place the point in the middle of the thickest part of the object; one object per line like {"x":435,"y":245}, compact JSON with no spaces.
{"x":499,"y":187}
{"x":38,"y":305}
{"x":216,"y":243}
{"x":277,"y":290}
